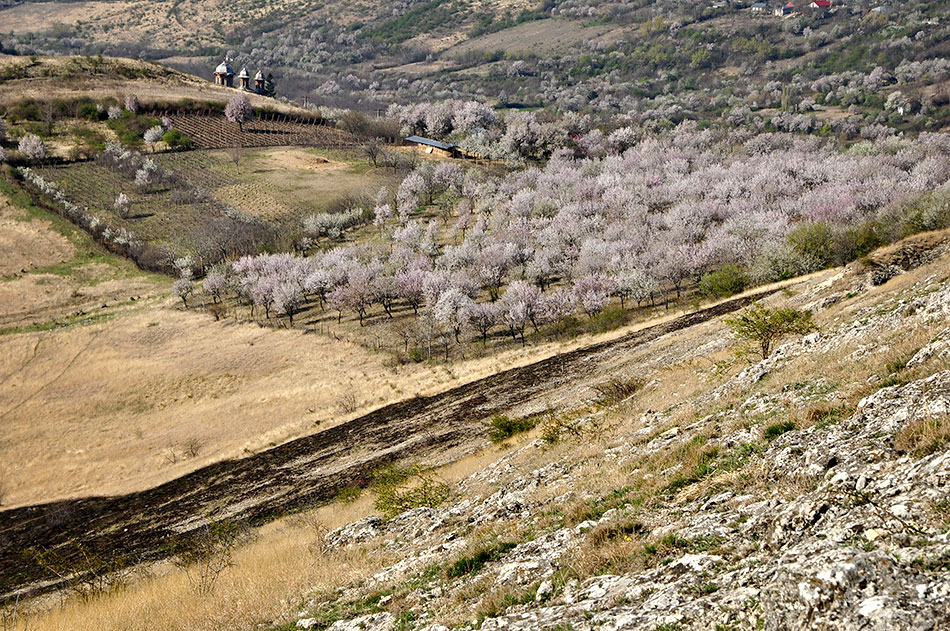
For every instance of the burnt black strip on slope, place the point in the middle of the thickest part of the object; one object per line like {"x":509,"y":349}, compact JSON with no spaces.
{"x":297,"y":474}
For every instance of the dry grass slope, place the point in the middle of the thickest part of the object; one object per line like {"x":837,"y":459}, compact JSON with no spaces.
{"x":671,"y":411}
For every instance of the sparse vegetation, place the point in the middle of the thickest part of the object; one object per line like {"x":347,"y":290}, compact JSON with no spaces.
{"x":777,"y":429}
{"x":207,"y":553}
{"x":616,"y":389}
{"x":84,"y":572}
{"x":473,"y":563}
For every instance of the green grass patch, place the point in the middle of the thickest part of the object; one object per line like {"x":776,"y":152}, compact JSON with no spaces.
{"x":502,"y":427}
{"x":705,"y":465}
{"x":777,"y":429}
{"x":737,"y":457}
{"x":626,"y":529}
{"x":615,"y":499}
{"x":49,"y":325}
{"x":349,"y":494}
{"x":473,"y":563}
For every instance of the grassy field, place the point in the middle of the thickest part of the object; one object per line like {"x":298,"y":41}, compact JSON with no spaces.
{"x":280,"y":183}
{"x":538,"y":37}
{"x":52,"y":271}
{"x":46,"y":78}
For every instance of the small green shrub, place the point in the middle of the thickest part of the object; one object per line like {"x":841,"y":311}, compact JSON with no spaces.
{"x":814,"y":241}
{"x":502,"y":427}
{"x":176,"y":140}
{"x":399,"y":489}
{"x":610,"y":318}
{"x":91,"y":112}
{"x":617,"y":530}
{"x":349,"y":494}
{"x":84,"y":572}
{"x":931,"y":211}
{"x":774,"y":431}
{"x":704,"y":589}
{"x":208,"y":551}
{"x":726,"y":281}
{"x":705,"y":466}
{"x":130,"y":127}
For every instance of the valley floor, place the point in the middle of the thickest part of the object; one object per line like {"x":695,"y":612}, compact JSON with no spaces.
{"x":104,"y":376}
{"x":667,"y":484}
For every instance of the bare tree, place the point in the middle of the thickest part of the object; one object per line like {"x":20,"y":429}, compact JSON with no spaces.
{"x":235,"y":155}
{"x":48,"y":117}
{"x":372,"y":149}
{"x":208,"y":552}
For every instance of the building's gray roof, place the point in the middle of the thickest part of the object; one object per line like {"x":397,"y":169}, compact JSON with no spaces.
{"x":244,"y":74}
{"x":259,"y":76}
{"x":224,"y":68}
{"x":429,"y":142}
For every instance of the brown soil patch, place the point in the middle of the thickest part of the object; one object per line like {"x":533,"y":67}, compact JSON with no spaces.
{"x":27,"y":245}
{"x":301,"y":160}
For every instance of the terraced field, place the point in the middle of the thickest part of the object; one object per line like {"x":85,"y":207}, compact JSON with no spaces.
{"x":270,"y":189}
{"x":274,"y":130}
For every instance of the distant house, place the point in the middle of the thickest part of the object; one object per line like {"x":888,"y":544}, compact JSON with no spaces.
{"x":784,"y":10}
{"x":821,"y":4}
{"x":427,"y":145}
{"x":881,"y":10}
{"x":759,"y":7}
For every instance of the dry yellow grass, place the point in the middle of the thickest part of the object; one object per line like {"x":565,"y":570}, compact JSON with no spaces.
{"x":280,"y":566}
{"x":27,"y":245}
{"x":26,"y":18}
{"x":924,"y":436}
{"x":166,"y":85}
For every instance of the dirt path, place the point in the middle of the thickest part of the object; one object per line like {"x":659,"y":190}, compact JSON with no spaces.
{"x":305,"y":471}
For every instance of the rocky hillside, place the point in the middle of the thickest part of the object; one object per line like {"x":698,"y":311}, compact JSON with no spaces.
{"x":810,"y":490}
